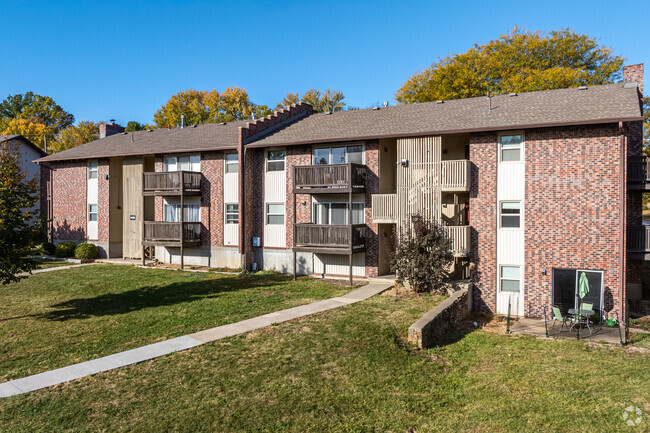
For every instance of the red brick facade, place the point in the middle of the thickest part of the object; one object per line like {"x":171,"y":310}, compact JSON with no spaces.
{"x":69,"y":201}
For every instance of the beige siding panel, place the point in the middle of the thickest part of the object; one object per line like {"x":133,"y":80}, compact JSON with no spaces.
{"x":133,"y":206}
{"x":338,"y":264}
{"x":115,"y":200}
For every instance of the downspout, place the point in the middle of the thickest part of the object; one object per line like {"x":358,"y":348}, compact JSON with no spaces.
{"x":241,"y":201}
{"x":623,"y":218}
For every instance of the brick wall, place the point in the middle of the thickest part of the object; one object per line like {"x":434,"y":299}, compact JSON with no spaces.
{"x":372,"y":187}
{"x":103,"y":200}
{"x":212,"y":208}
{"x":254,"y":200}
{"x":69,"y":201}
{"x":483,"y":219}
{"x":634,"y":73}
{"x":296,"y":156}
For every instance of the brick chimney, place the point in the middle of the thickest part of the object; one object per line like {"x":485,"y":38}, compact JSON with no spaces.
{"x":634,"y":73}
{"x":110,"y":128}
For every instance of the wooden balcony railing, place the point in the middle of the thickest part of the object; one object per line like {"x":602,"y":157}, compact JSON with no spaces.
{"x":454,"y":175}
{"x":338,"y":177}
{"x":171,"y":183}
{"x":638,"y":239}
{"x":335,"y":239}
{"x":168,"y":234}
{"x":460,"y":239}
{"x":638,"y":172}
{"x":384,"y":208}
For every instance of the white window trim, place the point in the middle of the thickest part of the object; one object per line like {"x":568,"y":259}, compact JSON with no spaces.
{"x":267,"y":213}
{"x":226,"y":163}
{"x":521,"y":214}
{"x":90,"y":213}
{"x":520,"y":279}
{"x":359,"y":143}
{"x":225,"y":213}
{"x":93,"y":167}
{"x":329,"y":211}
{"x":522,"y":156}
{"x":266,"y":161}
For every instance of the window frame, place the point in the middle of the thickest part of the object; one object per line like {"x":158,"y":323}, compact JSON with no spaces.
{"x":329,"y":204}
{"x":501,"y":279}
{"x":191,"y":161}
{"x":276,"y":161}
{"x":520,"y":214}
{"x":520,"y":147}
{"x":330,"y":148}
{"x":229,"y":213}
{"x":231,"y":163}
{"x":274,"y":214}
{"x":93,"y":167}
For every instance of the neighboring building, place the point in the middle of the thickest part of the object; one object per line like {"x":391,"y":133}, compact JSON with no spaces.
{"x":531,"y":187}
{"x":29,"y":153}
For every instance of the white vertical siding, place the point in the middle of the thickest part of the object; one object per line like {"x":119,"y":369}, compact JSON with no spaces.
{"x":338,"y":264}
{"x":510,"y":241}
{"x":230,"y":195}
{"x":275,"y":191}
{"x":92,"y":193}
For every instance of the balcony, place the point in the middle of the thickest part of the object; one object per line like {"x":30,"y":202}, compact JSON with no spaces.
{"x":638,"y":173}
{"x":460,"y":239}
{"x":384,"y":208}
{"x":169,"y":234}
{"x":638,"y":242}
{"x":171,"y":183}
{"x":330,"y":239}
{"x":329,"y":178}
{"x":455,"y":175}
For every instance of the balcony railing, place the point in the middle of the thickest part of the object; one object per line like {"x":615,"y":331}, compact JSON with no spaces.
{"x":171,"y":183}
{"x":384,"y":208}
{"x":460,"y":239}
{"x":638,"y":239}
{"x":455,"y":175}
{"x":337,"y":177}
{"x":335,"y":239}
{"x":638,"y":172}
{"x":168,"y":234}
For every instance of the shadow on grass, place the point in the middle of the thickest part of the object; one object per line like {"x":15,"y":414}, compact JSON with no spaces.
{"x":194,"y":289}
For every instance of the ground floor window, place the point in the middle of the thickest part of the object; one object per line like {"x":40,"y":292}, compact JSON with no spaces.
{"x":92,"y":212}
{"x":232,"y":213}
{"x":510,"y":278}
{"x":275,"y":213}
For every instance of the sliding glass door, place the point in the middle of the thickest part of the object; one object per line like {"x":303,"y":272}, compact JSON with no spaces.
{"x":565,"y":289}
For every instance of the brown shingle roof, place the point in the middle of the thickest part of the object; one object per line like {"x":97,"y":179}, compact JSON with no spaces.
{"x":190,"y":139}
{"x":597,"y":104}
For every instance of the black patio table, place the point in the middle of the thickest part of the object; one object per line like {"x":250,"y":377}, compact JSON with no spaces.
{"x":581,"y":317}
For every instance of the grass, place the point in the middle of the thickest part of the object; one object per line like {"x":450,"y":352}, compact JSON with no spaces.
{"x":350,"y":370}
{"x":54,"y":319}
{"x":49,"y":263}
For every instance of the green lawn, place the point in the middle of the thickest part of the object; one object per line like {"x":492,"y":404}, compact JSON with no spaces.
{"x":49,"y":263}
{"x":349,"y":370}
{"x":53,"y":319}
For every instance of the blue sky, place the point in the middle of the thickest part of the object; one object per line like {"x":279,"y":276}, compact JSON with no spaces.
{"x":124,"y":59}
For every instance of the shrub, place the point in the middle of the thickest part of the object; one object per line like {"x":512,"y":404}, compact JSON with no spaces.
{"x":48,"y":248}
{"x":422,"y":255}
{"x":65,"y":249}
{"x":85,"y":251}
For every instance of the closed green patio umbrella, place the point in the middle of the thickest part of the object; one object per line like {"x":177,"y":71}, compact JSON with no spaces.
{"x":583,"y":286}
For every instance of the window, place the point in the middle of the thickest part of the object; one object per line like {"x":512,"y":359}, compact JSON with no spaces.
{"x":511,"y":147}
{"x":337,"y":213}
{"x":510,"y":278}
{"x":192,"y":213}
{"x":510,"y":214}
{"x":92,"y":170}
{"x":92,"y":212}
{"x":232,"y":213}
{"x":339,"y":155}
{"x":275,"y":213}
{"x":275,"y":160}
{"x":184,"y":163}
{"x":232,"y":163}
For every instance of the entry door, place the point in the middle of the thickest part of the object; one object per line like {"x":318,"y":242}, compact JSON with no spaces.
{"x":133,"y":207}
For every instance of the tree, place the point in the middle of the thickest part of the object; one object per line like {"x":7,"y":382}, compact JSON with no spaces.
{"x":134,"y":126}
{"x":519,"y":61}
{"x":331,"y":100}
{"x":37,"y":109}
{"x":422,"y":255}
{"x":34,"y":132}
{"x":188,"y":103}
{"x":73,"y":136}
{"x":20,"y":228}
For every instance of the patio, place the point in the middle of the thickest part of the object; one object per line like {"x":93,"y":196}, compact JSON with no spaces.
{"x":536,"y":327}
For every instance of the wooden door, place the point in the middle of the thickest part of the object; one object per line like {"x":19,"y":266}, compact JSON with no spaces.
{"x":132,"y":208}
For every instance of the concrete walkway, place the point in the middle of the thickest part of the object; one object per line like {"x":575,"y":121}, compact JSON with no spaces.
{"x":144,"y":353}
{"x":54,"y":268}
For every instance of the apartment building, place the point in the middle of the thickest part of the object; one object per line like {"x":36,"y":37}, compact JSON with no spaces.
{"x":532,"y":188}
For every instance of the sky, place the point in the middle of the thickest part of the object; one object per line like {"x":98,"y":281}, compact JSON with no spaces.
{"x":122,"y":60}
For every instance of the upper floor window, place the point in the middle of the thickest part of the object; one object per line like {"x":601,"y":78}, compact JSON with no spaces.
{"x":337,"y":213}
{"x":339,"y":154}
{"x":232,"y":213}
{"x":510,"y":214}
{"x":92,"y":170}
{"x":510,"y":147}
{"x":232,"y":163}
{"x":275,"y":213}
{"x":183,"y":163}
{"x":275,"y":160}
{"x":192,"y":212}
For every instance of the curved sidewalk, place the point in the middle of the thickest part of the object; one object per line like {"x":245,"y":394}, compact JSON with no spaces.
{"x":151,"y":351}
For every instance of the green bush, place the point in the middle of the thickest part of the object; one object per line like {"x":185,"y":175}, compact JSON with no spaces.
{"x":48,"y":248}
{"x":65,"y":249}
{"x":85,"y":251}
